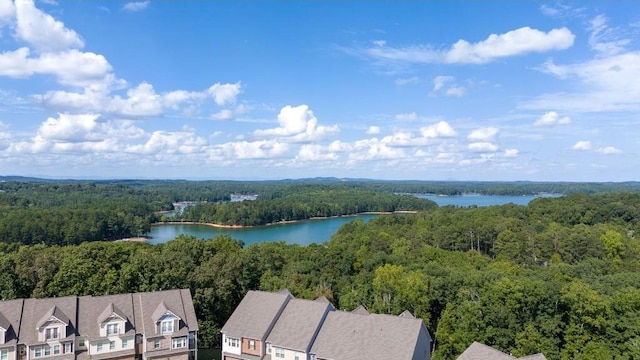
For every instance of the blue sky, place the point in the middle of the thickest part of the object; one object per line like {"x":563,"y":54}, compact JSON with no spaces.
{"x":442,"y":90}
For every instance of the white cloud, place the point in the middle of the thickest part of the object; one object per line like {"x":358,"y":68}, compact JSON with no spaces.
{"x":314,"y":152}
{"x":135,"y":6}
{"x":297,"y":124}
{"x":373,"y":130}
{"x":43,"y":31}
{"x":7,"y":13}
{"x":552,"y":118}
{"x":374,"y":149}
{"x":609,"y":150}
{"x":224,"y":114}
{"x":71,"y":67}
{"x":484,"y":134}
{"x":248,"y":150}
{"x":438,"y":130}
{"x":167,"y":142}
{"x":483,"y":147}
{"x":510,"y":153}
{"x":440,"y":81}
{"x":605,"y":39}
{"x":225,"y":93}
{"x":407,"y":117}
{"x":406,"y":81}
{"x":516,"y":42}
{"x":447,"y":85}
{"x":582,"y":145}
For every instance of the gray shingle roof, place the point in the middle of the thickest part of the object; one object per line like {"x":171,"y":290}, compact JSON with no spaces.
{"x":298,"y":324}
{"x":11,"y":310}
{"x":478,"y":351}
{"x":352,"y":336}
{"x":38,"y":311}
{"x":179,"y":302}
{"x":256,"y":314}
{"x":94,"y":310}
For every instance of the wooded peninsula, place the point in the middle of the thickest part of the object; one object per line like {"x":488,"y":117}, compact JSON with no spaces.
{"x":559,"y":276}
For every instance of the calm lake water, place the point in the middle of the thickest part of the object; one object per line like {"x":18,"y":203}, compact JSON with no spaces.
{"x":314,"y":231}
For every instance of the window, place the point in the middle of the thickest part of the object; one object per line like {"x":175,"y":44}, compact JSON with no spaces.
{"x":166,"y":326}
{"x":81,"y":343}
{"x":56,"y":349}
{"x":280,"y":353}
{"x":297,"y":357}
{"x":178,"y":343}
{"x":51,"y":334}
{"x":269,"y":348}
{"x":38,"y":351}
{"x":234,"y":342}
{"x":47,"y":350}
{"x":112,"y":345}
{"x":99,"y":347}
{"x":68,"y":348}
{"x":125,"y":343}
{"x":156,"y":344}
{"x":112,"y":329}
{"x":4,"y":354}
{"x":252,"y":345}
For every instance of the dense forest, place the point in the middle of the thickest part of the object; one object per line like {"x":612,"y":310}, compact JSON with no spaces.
{"x":559,"y":276}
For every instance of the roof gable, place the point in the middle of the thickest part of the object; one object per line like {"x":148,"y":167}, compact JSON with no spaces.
{"x":478,"y":351}
{"x":161,"y":312}
{"x":299,"y":323}
{"x":53,"y":315}
{"x":109,"y":312}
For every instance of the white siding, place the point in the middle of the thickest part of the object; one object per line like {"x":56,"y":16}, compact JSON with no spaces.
{"x":226,"y":346}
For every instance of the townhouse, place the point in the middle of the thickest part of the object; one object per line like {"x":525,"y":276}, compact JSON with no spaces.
{"x":136,"y":326}
{"x":279,"y":326}
{"x":478,"y":351}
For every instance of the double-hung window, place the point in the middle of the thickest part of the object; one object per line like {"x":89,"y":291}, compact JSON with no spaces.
{"x":252,"y":345}
{"x":112,"y":345}
{"x":156,"y":344}
{"x":4,"y":354}
{"x":112,"y":329}
{"x":51,"y":333}
{"x":178,"y":343}
{"x":99,"y":347}
{"x":38,"y":351}
{"x":67,"y":348}
{"x":125,"y":343}
{"x":47,"y":350}
{"x":166,"y":326}
{"x":56,"y":349}
{"x":279,"y":353}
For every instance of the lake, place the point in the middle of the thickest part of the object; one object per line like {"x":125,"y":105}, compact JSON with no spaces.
{"x":317,"y":230}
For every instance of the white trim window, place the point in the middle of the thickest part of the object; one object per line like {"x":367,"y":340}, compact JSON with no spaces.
{"x":99,"y":347}
{"x":51,"y":333}
{"x":68,"y":348}
{"x":233,"y":342}
{"x":37,"y":351}
{"x":56,"y":349}
{"x":112,"y":345}
{"x":166,"y":326}
{"x":4,"y":354}
{"x":125,"y":343}
{"x":280,"y":353}
{"x":156,"y":344}
{"x":113,"y":329}
{"x":178,"y":343}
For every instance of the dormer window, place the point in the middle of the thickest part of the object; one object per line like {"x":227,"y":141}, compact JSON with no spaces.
{"x":166,"y":326}
{"x":51,"y":334}
{"x":113,"y":329}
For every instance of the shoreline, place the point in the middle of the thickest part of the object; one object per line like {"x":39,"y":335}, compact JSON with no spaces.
{"x":223,"y":226}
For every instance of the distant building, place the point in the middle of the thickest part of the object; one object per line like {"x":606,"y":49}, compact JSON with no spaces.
{"x":137,"y":326}
{"x":278,"y":326}
{"x":477,"y":351}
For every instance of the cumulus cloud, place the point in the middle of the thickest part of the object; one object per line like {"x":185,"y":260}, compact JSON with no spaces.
{"x":483,"y":134}
{"x":552,"y":118}
{"x":297,"y":124}
{"x":441,"y":129}
{"x":512,"y":43}
{"x":582,"y":145}
{"x":315,"y":152}
{"x":373,"y":130}
{"x":225,"y":93}
{"x":42,"y":31}
{"x":135,"y":6}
